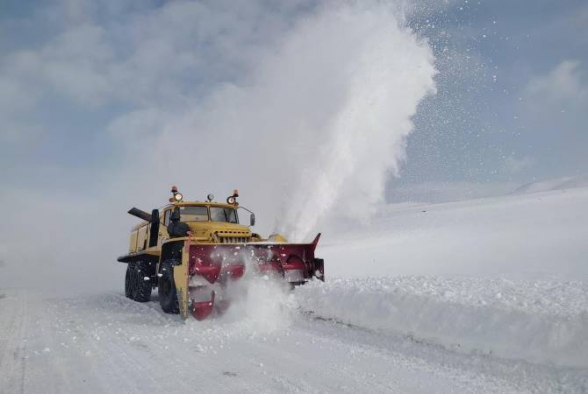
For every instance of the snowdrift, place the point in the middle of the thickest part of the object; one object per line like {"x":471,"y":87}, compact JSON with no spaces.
{"x":538,"y":321}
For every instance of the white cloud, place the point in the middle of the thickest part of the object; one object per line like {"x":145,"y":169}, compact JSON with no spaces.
{"x":18,"y":96}
{"x":139,"y":123}
{"x":137,"y":55}
{"x":77,"y":64}
{"x":564,"y":86}
{"x":515,"y":165}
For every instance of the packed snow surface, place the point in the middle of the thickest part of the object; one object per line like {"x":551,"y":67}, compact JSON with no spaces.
{"x":109,"y":344}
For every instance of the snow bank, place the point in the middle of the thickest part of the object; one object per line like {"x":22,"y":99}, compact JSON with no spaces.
{"x":537,"y":321}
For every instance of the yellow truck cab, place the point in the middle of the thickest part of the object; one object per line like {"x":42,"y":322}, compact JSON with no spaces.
{"x":208,"y":221}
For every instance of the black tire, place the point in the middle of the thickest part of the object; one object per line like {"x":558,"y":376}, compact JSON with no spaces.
{"x":128,"y":282}
{"x":166,"y":288}
{"x":136,"y":287}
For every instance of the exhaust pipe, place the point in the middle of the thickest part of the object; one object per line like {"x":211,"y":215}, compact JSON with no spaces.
{"x":140,"y":214}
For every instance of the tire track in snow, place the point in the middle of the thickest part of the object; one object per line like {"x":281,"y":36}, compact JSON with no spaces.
{"x":517,"y":375}
{"x":13,"y":344}
{"x":122,"y":362}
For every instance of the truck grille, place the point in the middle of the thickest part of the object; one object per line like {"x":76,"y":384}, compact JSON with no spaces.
{"x":234,"y":240}
{"x":233,"y":237}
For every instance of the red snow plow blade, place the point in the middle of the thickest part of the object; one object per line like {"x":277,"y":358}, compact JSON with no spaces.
{"x":212,"y":267}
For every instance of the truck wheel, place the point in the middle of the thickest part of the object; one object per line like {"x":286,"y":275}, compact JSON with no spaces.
{"x":166,"y":288}
{"x":136,"y":287}
{"x":129,"y":282}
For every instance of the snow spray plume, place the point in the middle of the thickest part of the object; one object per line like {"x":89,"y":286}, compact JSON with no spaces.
{"x":261,"y":303}
{"x":385,"y":74}
{"x":320,"y":123}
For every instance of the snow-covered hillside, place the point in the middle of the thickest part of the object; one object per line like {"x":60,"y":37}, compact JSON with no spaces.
{"x":481,"y":296}
{"x":541,"y":235}
{"x":569,"y":182}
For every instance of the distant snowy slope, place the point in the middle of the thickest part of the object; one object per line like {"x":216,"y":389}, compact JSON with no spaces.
{"x":537,"y":321}
{"x":529,"y":236}
{"x":569,"y":182}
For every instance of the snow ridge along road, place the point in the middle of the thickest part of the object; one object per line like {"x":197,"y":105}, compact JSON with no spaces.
{"x":537,"y":321}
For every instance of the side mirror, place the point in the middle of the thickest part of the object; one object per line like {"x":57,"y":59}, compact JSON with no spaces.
{"x":252,"y":220}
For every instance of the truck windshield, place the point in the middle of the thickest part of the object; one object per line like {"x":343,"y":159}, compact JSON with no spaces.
{"x":193,"y":214}
{"x":218,"y":214}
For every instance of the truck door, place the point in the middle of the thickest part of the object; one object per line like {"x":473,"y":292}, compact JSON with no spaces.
{"x":163,"y":234}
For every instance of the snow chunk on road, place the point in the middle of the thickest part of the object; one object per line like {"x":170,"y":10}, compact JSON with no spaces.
{"x":537,"y":321}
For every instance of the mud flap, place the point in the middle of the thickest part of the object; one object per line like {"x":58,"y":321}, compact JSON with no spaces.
{"x":181,"y":279}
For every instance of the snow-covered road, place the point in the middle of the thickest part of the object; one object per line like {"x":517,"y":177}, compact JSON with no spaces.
{"x":107,"y":344}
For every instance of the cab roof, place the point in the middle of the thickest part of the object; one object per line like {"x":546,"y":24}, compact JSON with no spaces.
{"x":200,"y":203}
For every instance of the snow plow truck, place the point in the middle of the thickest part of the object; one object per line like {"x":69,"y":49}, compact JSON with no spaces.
{"x":192,"y":252}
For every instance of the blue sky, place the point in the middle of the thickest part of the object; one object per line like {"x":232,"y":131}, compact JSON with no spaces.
{"x":516,"y":109}
{"x":511,"y":102}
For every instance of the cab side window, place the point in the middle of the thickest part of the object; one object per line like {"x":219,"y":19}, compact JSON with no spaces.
{"x":166,"y":216}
